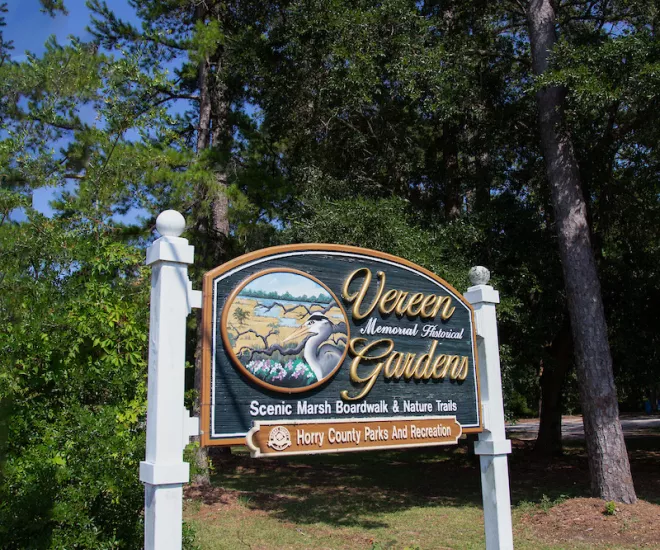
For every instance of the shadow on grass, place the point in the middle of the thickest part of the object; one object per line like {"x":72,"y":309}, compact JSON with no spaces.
{"x":644,"y":451}
{"x":535,"y":480}
{"x":357,"y":490}
{"x":351,"y":489}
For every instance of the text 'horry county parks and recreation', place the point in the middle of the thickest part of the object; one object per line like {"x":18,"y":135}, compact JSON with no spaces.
{"x":327,"y":348}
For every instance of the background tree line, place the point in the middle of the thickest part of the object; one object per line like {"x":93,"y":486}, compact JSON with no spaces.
{"x":408,"y":127}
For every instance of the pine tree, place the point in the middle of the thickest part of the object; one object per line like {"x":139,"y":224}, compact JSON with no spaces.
{"x":193,"y":56}
{"x":608,"y":459}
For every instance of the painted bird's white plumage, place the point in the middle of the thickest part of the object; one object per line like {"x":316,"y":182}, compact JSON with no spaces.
{"x":321,"y":358}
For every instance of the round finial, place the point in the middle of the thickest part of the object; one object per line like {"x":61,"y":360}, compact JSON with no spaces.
{"x":170,"y":223}
{"x":479,"y":275}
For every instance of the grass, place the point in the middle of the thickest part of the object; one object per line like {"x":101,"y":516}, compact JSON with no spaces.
{"x":385,"y":500}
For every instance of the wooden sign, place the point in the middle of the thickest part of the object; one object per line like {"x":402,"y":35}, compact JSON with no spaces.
{"x":292,"y":437}
{"x":328,"y":339}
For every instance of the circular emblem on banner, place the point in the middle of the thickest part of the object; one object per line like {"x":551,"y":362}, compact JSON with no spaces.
{"x":279,"y":438}
{"x":285,"y":330}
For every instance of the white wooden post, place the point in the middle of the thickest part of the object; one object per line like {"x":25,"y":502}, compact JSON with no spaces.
{"x":163,"y":471}
{"x":493,"y":446}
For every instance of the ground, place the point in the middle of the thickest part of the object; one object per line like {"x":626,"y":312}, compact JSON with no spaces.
{"x":425,"y":500}
{"x":584,"y":520}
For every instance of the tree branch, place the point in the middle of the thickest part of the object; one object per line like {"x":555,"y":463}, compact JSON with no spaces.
{"x":309,"y":310}
{"x":272,"y":349}
{"x":264,"y":339}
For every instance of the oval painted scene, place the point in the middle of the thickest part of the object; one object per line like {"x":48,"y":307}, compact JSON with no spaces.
{"x":285,"y":330}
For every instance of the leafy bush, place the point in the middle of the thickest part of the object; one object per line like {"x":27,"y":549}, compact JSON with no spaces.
{"x":73,"y":387}
{"x":189,"y":537}
{"x":610,"y":508}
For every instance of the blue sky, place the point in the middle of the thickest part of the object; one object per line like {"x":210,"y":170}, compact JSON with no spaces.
{"x":29,"y":28}
{"x":283,"y":282}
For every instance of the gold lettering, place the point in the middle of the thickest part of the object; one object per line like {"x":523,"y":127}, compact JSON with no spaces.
{"x":359,"y":295}
{"x":441,"y":361}
{"x":394,"y":300}
{"x":454,"y":361}
{"x":463,"y":370}
{"x":444,"y":303}
{"x":428,"y":302}
{"x":407,"y":367}
{"x":419,"y":373}
{"x":399,"y":365}
{"x":370,"y":379}
{"x":415,"y":300}
{"x":447,"y":311}
{"x":388,"y":372}
{"x":400,"y":310}
{"x":390,"y":296}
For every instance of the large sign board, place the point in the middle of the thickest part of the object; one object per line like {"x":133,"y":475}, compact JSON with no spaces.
{"x":323,"y":348}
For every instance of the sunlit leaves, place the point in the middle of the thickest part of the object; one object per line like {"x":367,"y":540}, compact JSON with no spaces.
{"x":73,"y":382}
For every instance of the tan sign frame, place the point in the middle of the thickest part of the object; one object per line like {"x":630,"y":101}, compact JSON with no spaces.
{"x":207,"y":322}
{"x":256,"y":451}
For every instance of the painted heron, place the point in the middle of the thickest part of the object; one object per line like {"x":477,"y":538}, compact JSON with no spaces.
{"x":322,"y":358}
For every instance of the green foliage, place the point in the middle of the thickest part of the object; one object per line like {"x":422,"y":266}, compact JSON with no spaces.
{"x":544,"y":504}
{"x":189,"y":456}
{"x":206,"y":39}
{"x":517,"y":406}
{"x":610,"y":508}
{"x":189,"y":537}
{"x":53,"y":6}
{"x":73,"y":386}
{"x":274,"y":295}
{"x":241,"y":315}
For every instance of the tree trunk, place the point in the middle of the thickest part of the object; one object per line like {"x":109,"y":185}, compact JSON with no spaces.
{"x":548,"y":442}
{"x":211,"y":214}
{"x":608,"y":460}
{"x":201,"y":464}
{"x":221,"y":141}
{"x":452,"y":188}
{"x":483,"y":183}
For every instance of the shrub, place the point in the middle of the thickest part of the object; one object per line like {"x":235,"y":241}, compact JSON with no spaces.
{"x":73,"y":388}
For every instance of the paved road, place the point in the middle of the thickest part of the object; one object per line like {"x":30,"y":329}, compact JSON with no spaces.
{"x":572,"y":427}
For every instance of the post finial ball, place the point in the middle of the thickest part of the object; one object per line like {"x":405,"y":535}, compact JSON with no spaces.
{"x":170,"y":223}
{"x":479,"y":275}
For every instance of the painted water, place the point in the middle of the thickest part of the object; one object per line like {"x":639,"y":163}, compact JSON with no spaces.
{"x":261,"y":310}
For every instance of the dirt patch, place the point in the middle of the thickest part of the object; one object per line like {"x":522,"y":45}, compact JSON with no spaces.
{"x":210,"y":501}
{"x":584,"y":520}
{"x":210,"y":496}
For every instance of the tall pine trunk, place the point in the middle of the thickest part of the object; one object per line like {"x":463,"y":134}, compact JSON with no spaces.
{"x":608,"y":460}
{"x":202,"y":473}
{"x":548,"y":442}
{"x":211,"y":212}
{"x":452,"y":186}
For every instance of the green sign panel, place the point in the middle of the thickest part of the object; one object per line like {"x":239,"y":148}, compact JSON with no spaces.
{"x":308,"y":335}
